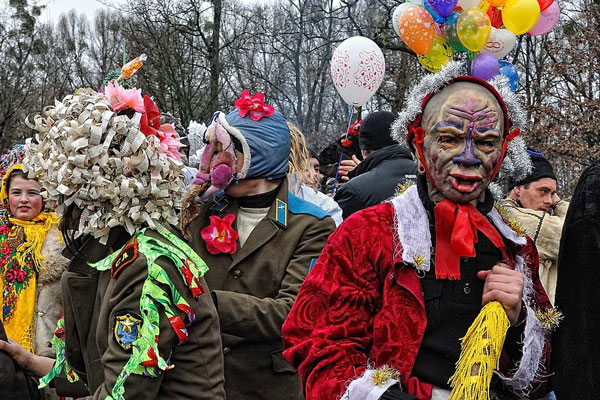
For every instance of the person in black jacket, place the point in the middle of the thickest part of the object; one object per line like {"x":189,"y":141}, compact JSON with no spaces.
{"x":386,"y":166}
{"x":575,"y":350}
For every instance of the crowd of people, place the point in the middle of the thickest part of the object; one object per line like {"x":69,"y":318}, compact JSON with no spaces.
{"x":383,"y":267}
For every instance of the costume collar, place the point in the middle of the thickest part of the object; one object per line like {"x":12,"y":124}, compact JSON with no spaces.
{"x":413,"y":236}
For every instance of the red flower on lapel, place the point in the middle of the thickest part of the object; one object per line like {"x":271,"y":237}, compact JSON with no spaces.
{"x":254,"y":105}
{"x":219,"y":236}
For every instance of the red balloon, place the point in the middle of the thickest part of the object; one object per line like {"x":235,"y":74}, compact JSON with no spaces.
{"x":545,"y":4}
{"x":496,"y":16}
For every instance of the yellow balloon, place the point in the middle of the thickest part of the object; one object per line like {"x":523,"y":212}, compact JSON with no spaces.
{"x":473,"y":28}
{"x":438,"y":55}
{"x":520,"y":16}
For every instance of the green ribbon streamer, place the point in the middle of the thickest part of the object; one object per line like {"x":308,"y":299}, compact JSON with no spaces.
{"x":145,"y":358}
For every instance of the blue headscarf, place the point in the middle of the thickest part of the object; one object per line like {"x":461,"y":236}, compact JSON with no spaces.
{"x":269,"y":142}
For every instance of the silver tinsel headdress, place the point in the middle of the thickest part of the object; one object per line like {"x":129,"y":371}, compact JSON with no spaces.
{"x":516,"y":162}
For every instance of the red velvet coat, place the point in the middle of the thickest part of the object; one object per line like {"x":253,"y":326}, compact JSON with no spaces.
{"x":361,"y":304}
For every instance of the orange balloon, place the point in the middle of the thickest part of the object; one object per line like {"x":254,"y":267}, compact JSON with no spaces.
{"x":416,"y":29}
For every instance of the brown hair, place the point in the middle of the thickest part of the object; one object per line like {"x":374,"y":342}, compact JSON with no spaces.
{"x":14,"y":174}
{"x":300,"y":158}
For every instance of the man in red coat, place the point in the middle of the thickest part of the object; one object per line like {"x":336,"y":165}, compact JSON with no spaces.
{"x":382,"y":312}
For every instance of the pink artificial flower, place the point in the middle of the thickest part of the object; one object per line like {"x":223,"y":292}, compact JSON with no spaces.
{"x":254,"y":105}
{"x":220,"y":237}
{"x":121,"y":98}
{"x":169,"y":141}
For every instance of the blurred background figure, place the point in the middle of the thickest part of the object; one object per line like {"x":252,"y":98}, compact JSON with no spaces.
{"x":575,"y":349}
{"x":386,"y":165}
{"x":304,"y":176}
{"x":346,"y":147}
{"x":315,"y":165}
{"x":535,"y":204}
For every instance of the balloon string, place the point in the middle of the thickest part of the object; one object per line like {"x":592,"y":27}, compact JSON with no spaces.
{"x":337,"y":172}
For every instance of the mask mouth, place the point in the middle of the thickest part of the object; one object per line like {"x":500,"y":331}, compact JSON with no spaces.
{"x":464,"y":183}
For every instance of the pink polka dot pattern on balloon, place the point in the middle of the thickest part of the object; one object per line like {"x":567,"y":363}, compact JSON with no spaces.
{"x":371,"y":67}
{"x":416,"y":29}
{"x":340,"y":70}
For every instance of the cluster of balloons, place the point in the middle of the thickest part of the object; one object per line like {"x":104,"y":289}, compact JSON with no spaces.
{"x":437,"y":29}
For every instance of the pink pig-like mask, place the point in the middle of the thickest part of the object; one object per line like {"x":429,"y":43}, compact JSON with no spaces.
{"x":218,"y":164}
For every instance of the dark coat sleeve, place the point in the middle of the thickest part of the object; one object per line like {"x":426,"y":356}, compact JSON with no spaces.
{"x":348,"y":199}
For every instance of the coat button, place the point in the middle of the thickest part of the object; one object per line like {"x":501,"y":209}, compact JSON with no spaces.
{"x":467,"y":288}
{"x":237,"y":274}
{"x":226,"y":350}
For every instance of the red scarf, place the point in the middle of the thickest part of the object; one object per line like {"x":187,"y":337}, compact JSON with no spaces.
{"x":456,"y":227}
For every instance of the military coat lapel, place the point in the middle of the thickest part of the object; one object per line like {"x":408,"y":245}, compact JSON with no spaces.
{"x":276,"y":219}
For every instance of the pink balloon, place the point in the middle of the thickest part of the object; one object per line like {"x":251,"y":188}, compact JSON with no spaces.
{"x":548,"y":20}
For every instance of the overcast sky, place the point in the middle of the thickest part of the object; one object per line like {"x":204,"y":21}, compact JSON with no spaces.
{"x":54,"y":8}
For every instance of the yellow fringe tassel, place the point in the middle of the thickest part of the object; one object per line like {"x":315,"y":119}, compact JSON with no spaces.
{"x":481,"y":348}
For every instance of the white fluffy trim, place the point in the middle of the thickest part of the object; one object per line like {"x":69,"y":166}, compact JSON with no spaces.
{"x":412,"y":227}
{"x":370,"y":386}
{"x":534,"y":340}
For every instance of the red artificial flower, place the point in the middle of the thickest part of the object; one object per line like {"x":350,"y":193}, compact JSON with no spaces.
{"x":354,"y":128}
{"x":346,"y":142}
{"x":150,"y":122}
{"x":255,"y":105}
{"x":219,"y":236}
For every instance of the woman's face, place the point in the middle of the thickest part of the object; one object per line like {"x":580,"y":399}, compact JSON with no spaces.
{"x":24,"y":199}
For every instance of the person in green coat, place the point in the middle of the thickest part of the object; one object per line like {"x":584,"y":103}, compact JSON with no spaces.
{"x":139,"y":322}
{"x":259,"y":240}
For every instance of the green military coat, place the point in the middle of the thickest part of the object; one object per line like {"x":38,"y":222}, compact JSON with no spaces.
{"x":93,"y":303}
{"x":255,"y":288}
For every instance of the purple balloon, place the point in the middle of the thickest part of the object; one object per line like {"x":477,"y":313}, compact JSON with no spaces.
{"x":548,"y":20}
{"x":443,"y":8}
{"x":485,"y":66}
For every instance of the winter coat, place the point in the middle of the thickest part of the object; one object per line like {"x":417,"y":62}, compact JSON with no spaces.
{"x":96,"y":302}
{"x":376,"y":179}
{"x":575,"y":350}
{"x":48,"y":303}
{"x":363,"y":303}
{"x":545,"y":229}
{"x":255,"y":287}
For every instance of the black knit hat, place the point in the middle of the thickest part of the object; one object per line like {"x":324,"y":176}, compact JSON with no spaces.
{"x":375,"y":131}
{"x":541,"y":169}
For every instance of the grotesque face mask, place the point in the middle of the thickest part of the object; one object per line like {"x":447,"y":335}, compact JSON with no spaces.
{"x":462,"y":146}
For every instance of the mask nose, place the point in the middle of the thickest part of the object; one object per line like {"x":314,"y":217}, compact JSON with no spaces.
{"x":467,"y":157}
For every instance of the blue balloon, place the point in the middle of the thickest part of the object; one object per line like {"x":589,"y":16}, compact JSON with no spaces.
{"x":443,"y":8}
{"x":436,"y":17}
{"x":508,"y":70}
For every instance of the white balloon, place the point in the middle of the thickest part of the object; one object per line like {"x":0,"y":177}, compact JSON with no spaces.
{"x":469,"y":3}
{"x":398,"y":13}
{"x":500,"y":43}
{"x":357,"y":69}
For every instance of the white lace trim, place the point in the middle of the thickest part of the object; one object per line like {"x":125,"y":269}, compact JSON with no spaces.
{"x":413,"y":229}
